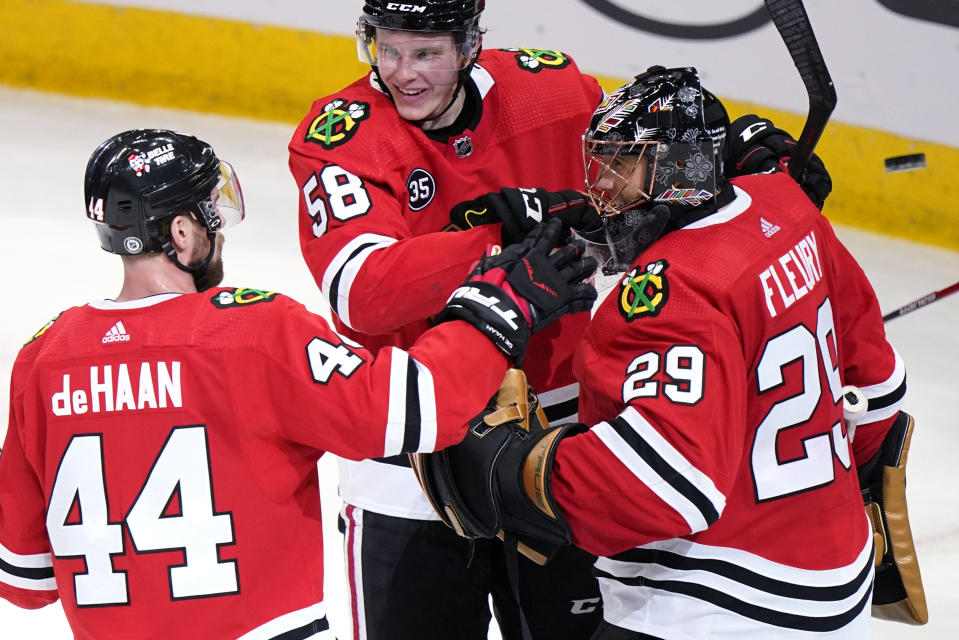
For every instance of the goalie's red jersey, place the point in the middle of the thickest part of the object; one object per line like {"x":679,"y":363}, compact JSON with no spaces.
{"x":717,"y":477}
{"x":375,"y":194}
{"x":159,"y":472}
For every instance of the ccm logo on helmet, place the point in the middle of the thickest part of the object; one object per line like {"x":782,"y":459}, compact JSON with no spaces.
{"x":410,"y":8}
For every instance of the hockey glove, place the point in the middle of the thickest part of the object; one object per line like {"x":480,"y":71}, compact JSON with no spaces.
{"x":513,"y":294}
{"x":496,"y":483}
{"x":521,"y":209}
{"x":898,"y":593}
{"x":755,"y":145}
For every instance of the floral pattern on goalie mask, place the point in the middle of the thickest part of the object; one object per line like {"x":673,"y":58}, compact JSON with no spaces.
{"x":653,"y":154}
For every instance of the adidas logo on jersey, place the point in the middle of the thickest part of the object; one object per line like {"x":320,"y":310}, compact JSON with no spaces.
{"x":117,"y":333}
{"x":769,"y":229}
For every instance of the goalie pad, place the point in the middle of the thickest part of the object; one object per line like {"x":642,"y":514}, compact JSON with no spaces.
{"x":496,"y":482}
{"x":898,"y":593}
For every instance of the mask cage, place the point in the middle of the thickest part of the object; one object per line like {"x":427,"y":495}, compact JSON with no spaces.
{"x":627,"y":171}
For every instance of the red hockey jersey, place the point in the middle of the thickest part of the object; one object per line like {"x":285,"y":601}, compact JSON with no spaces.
{"x":159,"y":472}
{"x":717,"y":477}
{"x":375,"y":198}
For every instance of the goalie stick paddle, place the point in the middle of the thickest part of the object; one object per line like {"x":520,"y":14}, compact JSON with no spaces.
{"x":791,"y":20}
{"x":921,"y":302}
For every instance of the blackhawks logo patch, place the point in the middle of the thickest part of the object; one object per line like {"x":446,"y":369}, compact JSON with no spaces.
{"x":338,"y":123}
{"x":644,"y":293}
{"x":241,"y":297}
{"x":535,"y":60}
{"x":42,"y":330}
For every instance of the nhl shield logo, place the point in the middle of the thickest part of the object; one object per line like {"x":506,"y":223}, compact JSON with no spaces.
{"x":463,"y":146}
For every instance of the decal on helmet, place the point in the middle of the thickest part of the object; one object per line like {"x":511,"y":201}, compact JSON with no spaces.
{"x":421,"y":188}
{"x":241,"y":297}
{"x":139,"y":163}
{"x":43,"y":329}
{"x":694,"y":197}
{"x":535,"y":60}
{"x":133,"y":245}
{"x":644,"y":293}
{"x":338,"y":123}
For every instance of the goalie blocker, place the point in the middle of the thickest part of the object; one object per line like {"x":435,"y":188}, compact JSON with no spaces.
{"x":898,"y":593}
{"x":496,"y":482}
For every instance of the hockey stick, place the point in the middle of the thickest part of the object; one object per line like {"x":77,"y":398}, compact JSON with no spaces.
{"x":921,"y":302}
{"x":791,"y":20}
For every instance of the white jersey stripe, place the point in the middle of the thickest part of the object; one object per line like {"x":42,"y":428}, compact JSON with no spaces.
{"x":33,"y":572}
{"x":396,"y":413}
{"x":338,"y":277}
{"x":885,"y":399}
{"x":638,"y":466}
{"x":690,"y":492}
{"x":29,"y":561}
{"x":674,"y":458}
{"x":739,"y":593}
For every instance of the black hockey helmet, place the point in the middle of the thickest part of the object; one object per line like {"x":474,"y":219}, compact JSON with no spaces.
{"x":138,"y":180}
{"x":653,"y":155}
{"x":457,"y":17}
{"x":423,"y":15}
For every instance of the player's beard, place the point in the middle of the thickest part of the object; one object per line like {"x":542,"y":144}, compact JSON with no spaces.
{"x":213,"y":274}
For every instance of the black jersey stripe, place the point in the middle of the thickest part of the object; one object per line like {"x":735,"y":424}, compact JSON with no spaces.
{"x":28,"y":573}
{"x":664,"y":470}
{"x":889,"y":399}
{"x":411,"y":434}
{"x":335,"y":282}
{"x":399,"y":460}
{"x":746,"y":577}
{"x":755,"y":612}
{"x":561,"y":410}
{"x":302,"y":633}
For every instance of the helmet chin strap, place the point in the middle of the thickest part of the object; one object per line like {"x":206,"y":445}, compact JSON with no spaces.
{"x":195,"y":270}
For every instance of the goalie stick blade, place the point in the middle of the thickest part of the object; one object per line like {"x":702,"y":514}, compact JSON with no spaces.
{"x":791,"y":20}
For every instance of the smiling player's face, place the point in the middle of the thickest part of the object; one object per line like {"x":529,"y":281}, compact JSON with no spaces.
{"x":420,"y":70}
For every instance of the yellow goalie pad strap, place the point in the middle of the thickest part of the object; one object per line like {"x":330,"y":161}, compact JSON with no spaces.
{"x":898,"y":536}
{"x":535,"y":469}
{"x":516,"y":402}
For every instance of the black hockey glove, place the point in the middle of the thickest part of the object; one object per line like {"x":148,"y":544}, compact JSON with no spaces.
{"x":756,"y":145}
{"x":521,"y":209}
{"x":497,"y":481}
{"x":513,"y":294}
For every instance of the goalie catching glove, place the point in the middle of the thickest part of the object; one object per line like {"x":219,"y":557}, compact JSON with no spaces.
{"x":522,"y":209}
{"x":756,"y":145}
{"x":497,"y":481}
{"x":898,"y":593}
{"x":513,"y":294}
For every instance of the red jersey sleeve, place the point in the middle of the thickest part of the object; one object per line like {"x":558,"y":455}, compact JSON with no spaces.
{"x":26,"y":567}
{"x":333,"y":395}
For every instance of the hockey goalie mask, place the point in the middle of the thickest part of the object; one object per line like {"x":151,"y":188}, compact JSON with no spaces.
{"x":651,"y":159}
